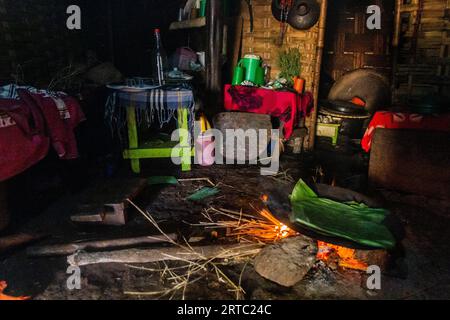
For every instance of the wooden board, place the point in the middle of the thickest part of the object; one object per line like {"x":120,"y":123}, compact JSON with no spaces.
{"x":350,"y":45}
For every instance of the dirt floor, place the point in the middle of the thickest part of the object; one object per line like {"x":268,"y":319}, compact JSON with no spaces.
{"x":421,"y":271}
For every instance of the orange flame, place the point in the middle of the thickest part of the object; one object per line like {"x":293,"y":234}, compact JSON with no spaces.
{"x":4,"y":297}
{"x":265,"y":228}
{"x":346,"y":256}
{"x":282,"y":231}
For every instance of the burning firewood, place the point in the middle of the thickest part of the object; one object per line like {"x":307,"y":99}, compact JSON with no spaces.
{"x":346,"y":257}
{"x":4,"y":297}
{"x":262,"y":227}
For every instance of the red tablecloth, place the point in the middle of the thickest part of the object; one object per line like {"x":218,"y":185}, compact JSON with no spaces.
{"x":391,"y":120}
{"x":286,"y":106}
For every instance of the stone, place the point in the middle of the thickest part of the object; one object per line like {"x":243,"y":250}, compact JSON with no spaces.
{"x":287,"y":262}
{"x":242,"y":121}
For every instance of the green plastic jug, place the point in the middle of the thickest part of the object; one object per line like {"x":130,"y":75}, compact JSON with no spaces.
{"x":249,"y":68}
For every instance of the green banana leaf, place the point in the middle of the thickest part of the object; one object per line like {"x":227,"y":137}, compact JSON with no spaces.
{"x":351,"y":221}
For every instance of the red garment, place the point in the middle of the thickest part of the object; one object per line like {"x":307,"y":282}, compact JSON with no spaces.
{"x":22,"y":144}
{"x":62,"y":115}
{"x":391,"y":120}
{"x":29,"y":124}
{"x":281,"y":104}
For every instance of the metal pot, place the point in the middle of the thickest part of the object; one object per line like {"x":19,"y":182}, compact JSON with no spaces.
{"x":304,"y":14}
{"x":349,"y":116}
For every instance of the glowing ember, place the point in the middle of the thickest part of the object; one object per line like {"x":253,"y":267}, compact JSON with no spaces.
{"x":346,"y":256}
{"x":4,"y":297}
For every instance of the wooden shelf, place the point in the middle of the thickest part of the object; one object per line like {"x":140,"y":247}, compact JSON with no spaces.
{"x":188,"y":24}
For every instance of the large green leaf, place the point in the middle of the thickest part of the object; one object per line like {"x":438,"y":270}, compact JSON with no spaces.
{"x":351,"y":221}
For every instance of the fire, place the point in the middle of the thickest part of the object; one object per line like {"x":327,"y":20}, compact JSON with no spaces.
{"x":346,"y":256}
{"x":4,"y":297}
{"x":267,"y":229}
{"x":262,"y":227}
{"x":281,"y":230}
{"x":265,"y":198}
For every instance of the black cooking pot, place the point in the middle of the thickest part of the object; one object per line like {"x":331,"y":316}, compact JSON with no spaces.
{"x":350,"y":116}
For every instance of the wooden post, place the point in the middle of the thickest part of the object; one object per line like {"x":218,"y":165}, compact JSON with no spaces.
{"x":395,"y":45}
{"x":318,"y":66}
{"x":214,"y":22}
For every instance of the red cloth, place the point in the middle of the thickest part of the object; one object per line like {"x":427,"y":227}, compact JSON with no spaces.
{"x":286,"y":106}
{"x":62,"y":115}
{"x":29,"y":124}
{"x":391,"y":120}
{"x":21,"y":144}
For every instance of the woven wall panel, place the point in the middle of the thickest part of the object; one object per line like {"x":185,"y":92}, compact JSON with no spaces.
{"x":34,"y":38}
{"x":262,"y":41}
{"x":428,"y":72}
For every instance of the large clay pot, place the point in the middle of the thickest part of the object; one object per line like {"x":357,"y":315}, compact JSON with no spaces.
{"x":4,"y":215}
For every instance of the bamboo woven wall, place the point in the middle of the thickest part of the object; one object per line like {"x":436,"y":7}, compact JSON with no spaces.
{"x":34,"y":40}
{"x":266,"y":31}
{"x":262,"y":41}
{"x":423,"y":66}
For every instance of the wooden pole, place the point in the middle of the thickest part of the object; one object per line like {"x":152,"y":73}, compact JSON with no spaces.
{"x":71,"y":248}
{"x":395,"y":45}
{"x":318,"y":66}
{"x":18,"y":240}
{"x":214,"y":21}
{"x":164,"y":254}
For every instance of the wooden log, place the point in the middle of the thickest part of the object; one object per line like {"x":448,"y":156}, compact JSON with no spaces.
{"x":380,"y":258}
{"x":71,"y":248}
{"x":18,"y":240}
{"x":164,"y":254}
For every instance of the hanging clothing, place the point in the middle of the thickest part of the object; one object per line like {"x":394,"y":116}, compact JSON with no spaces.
{"x":30,"y":120}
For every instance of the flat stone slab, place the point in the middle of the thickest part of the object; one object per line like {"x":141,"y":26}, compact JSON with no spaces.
{"x":287,"y":262}
{"x":242,"y":121}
